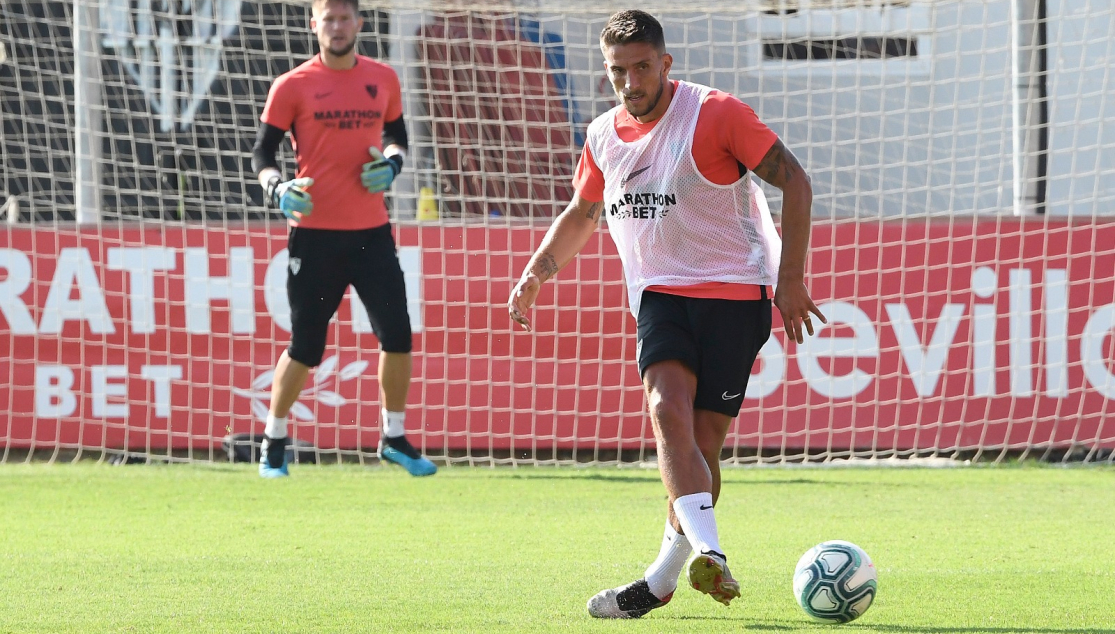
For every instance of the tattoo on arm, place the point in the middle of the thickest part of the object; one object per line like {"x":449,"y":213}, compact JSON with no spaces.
{"x":778,"y":166}
{"x":594,"y":211}
{"x":544,"y":267}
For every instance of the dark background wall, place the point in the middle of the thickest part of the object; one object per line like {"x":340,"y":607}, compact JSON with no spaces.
{"x":193,"y":172}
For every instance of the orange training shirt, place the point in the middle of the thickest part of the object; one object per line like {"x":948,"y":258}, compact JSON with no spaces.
{"x":334,"y":116}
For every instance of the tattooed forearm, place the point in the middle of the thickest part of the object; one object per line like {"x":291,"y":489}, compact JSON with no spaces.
{"x":778,"y":166}
{"x":594,"y":211}
{"x":545,"y":266}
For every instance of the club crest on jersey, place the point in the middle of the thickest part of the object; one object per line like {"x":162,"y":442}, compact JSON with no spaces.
{"x":372,"y":89}
{"x":643,"y":206}
{"x":295,"y":264}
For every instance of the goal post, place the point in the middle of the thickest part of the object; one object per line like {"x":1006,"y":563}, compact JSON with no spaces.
{"x":963,"y":245}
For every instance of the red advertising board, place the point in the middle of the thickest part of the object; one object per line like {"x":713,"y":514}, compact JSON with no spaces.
{"x":942,"y":334}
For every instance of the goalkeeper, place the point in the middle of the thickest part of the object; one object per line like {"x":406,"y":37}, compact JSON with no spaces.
{"x":340,"y":109}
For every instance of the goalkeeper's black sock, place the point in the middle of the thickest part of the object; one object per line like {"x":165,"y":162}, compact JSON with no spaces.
{"x":276,"y":451}
{"x":402,"y":445}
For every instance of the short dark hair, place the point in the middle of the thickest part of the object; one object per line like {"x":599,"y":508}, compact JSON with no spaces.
{"x":631,"y":26}
{"x":355,"y":4}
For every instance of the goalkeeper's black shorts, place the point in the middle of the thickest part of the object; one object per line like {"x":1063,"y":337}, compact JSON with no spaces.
{"x":718,"y":339}
{"x":323,"y":263}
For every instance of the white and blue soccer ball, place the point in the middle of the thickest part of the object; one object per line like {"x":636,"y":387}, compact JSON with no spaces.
{"x":835,"y":582}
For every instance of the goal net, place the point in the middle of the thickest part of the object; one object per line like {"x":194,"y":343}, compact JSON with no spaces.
{"x":963,"y":245}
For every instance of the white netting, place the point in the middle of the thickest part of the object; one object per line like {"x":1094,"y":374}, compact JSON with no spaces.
{"x":964,"y":186}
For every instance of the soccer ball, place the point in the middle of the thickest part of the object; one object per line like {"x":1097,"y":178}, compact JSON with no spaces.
{"x":835,"y":582}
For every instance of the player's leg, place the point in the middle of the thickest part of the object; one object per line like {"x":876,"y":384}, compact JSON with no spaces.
{"x":729,"y":335}
{"x":663,"y":340}
{"x":395,"y":373}
{"x":286,"y":385}
{"x":378,"y":280}
{"x":670,"y":387}
{"x":394,"y":379}
{"x":315,"y":286}
{"x":710,"y":429}
{"x":662,"y":575}
{"x":670,"y":356}
{"x":708,"y":570}
{"x":687,"y":476}
{"x":655,"y":588}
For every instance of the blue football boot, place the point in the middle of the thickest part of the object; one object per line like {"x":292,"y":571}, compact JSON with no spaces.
{"x":273,"y":458}
{"x":401,"y":452}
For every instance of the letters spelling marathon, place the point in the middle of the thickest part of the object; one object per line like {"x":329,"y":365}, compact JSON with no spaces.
{"x":650,"y":205}
{"x":331,"y":115}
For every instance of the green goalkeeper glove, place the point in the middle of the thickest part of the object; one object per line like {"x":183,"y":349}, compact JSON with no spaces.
{"x":379,"y":172}
{"x":291,"y":197}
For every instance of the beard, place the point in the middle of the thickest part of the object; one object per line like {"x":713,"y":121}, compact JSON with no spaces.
{"x":649,"y":106}
{"x":341,"y":51}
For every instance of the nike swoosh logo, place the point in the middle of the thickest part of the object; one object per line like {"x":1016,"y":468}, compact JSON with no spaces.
{"x":322,"y":95}
{"x":705,"y":508}
{"x":726,"y":397}
{"x":632,"y":175}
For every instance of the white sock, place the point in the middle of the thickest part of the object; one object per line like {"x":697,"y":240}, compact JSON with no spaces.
{"x":394,"y":423}
{"x":662,"y":575}
{"x":694,"y":512}
{"x":276,"y":427}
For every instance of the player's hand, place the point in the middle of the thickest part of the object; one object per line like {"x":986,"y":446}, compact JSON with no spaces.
{"x":793,"y":301}
{"x":292,"y":198}
{"x":522,"y":298}
{"x":378,"y":173}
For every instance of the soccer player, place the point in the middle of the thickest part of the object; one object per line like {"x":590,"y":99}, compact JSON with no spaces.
{"x":341,"y":109}
{"x":670,"y":170}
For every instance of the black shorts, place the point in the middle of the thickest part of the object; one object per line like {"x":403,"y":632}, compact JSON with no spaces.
{"x":718,"y":339}
{"x":323,"y":263}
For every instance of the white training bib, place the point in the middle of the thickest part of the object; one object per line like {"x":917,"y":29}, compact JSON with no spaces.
{"x":671,"y":225}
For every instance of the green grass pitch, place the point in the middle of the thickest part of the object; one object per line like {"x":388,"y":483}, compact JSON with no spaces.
{"x":211,"y":548}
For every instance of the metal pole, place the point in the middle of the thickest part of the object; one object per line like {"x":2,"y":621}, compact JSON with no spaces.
{"x":88,"y":112}
{"x":1031,"y":108}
